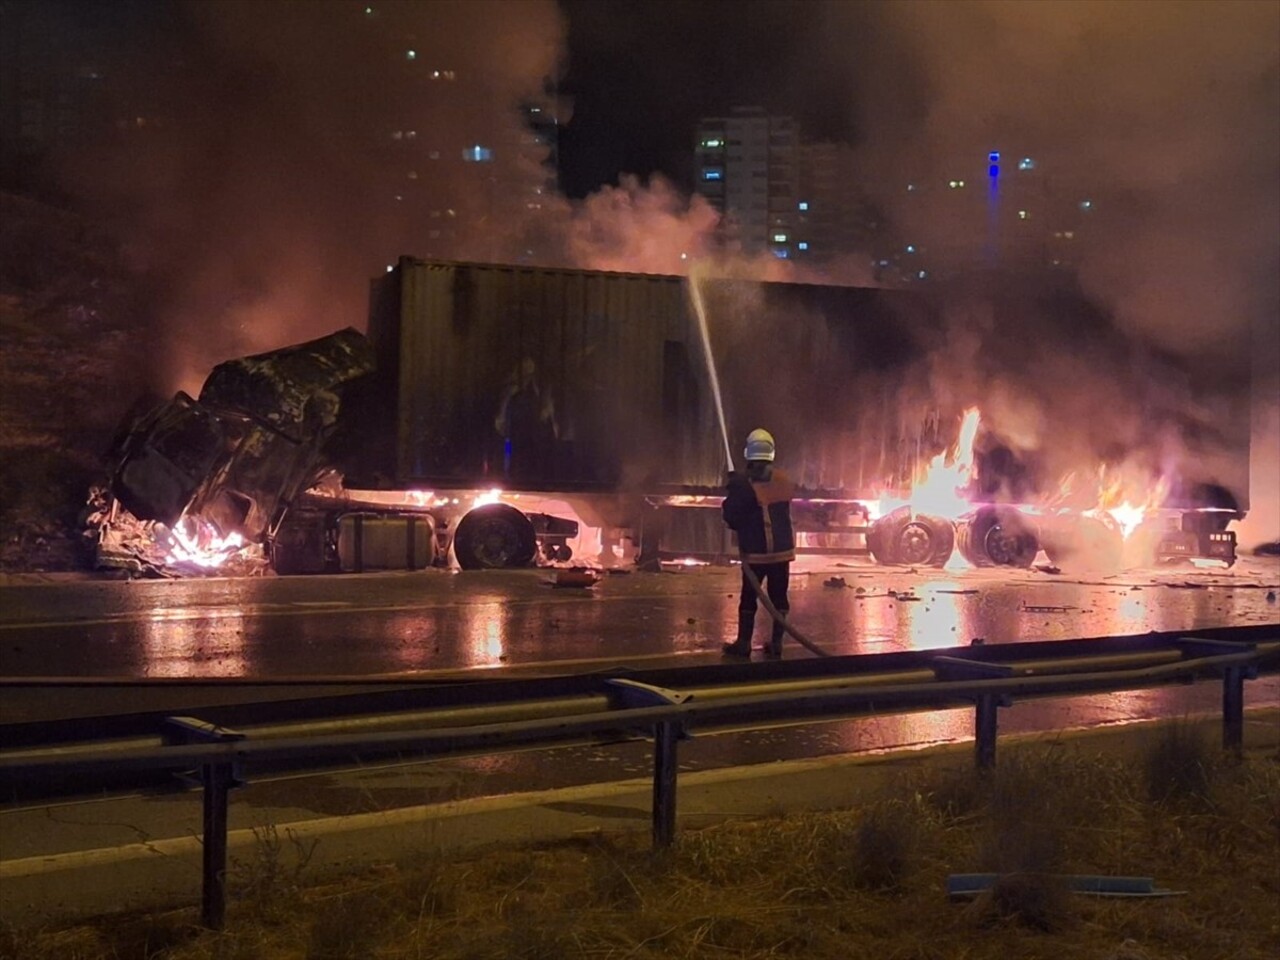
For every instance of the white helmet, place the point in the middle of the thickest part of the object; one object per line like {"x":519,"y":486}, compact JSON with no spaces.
{"x":759,"y":445}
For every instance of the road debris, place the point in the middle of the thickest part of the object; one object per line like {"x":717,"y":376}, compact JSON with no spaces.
{"x":1045,"y":608}
{"x":580,"y":579}
{"x":838,"y":583}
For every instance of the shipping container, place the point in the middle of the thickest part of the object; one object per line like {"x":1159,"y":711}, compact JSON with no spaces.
{"x":578,"y":380}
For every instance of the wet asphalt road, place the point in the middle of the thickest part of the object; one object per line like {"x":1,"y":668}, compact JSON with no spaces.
{"x":411,"y":624}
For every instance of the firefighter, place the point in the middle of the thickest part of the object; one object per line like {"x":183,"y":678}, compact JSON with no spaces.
{"x":757,"y":506}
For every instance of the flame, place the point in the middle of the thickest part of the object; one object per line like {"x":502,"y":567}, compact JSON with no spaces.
{"x":489,"y":496}
{"x":939,"y":488}
{"x":195,"y":541}
{"x":1128,"y":512}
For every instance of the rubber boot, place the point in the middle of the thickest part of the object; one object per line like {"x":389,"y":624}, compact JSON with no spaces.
{"x":742,"y":646}
{"x":774,"y":650}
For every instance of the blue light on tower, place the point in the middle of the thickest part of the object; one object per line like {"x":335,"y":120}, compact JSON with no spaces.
{"x":993,"y":207}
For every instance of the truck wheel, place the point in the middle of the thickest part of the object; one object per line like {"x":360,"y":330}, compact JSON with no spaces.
{"x":914,"y":539}
{"x":997,"y":536}
{"x":494,"y":537}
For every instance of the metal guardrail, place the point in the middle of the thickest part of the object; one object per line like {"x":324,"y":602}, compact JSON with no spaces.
{"x":222,"y":756}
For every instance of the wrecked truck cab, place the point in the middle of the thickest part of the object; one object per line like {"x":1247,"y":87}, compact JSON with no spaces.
{"x":235,"y":458}
{"x":164,"y":457}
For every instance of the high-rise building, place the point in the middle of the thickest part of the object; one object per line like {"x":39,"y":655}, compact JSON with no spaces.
{"x":748,"y":167}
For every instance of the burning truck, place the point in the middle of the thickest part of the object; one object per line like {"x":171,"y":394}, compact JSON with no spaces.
{"x":500,"y":416}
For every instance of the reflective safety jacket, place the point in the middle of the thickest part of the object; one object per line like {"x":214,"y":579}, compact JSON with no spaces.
{"x":759,"y":511}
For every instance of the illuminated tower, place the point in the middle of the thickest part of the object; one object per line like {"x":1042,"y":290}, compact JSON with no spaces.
{"x":993,"y":207}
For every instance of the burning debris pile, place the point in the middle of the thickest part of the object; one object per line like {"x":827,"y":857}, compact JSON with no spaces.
{"x":199,"y":484}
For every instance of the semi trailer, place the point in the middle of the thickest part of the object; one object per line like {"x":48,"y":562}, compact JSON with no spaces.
{"x":499,"y":416}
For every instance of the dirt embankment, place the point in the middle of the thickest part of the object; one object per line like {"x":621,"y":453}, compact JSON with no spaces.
{"x":74,"y":358}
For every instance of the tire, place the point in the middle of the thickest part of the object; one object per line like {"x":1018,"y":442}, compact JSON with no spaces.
{"x":1077,"y":541}
{"x":998,"y":536}
{"x":494,"y":537}
{"x":911,"y":539}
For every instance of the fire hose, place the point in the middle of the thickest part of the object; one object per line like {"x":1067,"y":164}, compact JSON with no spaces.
{"x":774,"y":612}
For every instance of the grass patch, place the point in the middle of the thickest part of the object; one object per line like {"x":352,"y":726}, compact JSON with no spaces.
{"x":866,"y":882}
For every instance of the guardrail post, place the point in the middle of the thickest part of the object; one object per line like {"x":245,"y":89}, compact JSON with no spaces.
{"x":1233,"y":678}
{"x":987,"y":705}
{"x":217,"y":780}
{"x":985,"y":730}
{"x":1233,"y":710}
{"x":666,"y":734}
{"x":217,"y":784}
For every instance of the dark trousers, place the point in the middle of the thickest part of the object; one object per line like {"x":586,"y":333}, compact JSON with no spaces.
{"x":775,"y":578}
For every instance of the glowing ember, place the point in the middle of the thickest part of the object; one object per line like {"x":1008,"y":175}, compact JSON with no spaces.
{"x":196,"y":542}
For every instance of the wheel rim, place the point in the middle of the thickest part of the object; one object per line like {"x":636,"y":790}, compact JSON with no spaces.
{"x":496,"y":542}
{"x":915,"y":543}
{"x":1003,"y":546}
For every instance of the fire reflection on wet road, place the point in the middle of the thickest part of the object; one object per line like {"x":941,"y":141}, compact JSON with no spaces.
{"x":415,"y":623}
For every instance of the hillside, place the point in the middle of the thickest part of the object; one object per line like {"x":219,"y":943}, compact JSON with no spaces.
{"x":74,"y":339}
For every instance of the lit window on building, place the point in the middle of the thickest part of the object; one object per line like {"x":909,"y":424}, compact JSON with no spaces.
{"x":1069,"y":234}
{"x":712,"y":144}
{"x":911,"y":188}
{"x":411,"y":54}
{"x":911,"y":248}
{"x":779,"y":238}
{"x":413,"y":174}
{"x":397,"y":134}
{"x":1026,"y":163}
{"x":433,"y":155}
{"x":802,"y":245}
{"x":411,"y":134}
{"x":1023,"y":215}
{"x":782,"y":253}
{"x":477,"y":154}
{"x":923,"y":274}
{"x":712,"y":173}
{"x":435,"y":74}
{"x":1086,"y":204}
{"x":450,"y":74}
{"x":804,"y":205}
{"x":955,"y":184}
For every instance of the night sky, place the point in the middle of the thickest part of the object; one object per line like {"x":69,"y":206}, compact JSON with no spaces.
{"x":271,"y":166}
{"x":640,"y":75}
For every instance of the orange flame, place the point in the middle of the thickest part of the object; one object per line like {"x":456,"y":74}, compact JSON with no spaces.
{"x":1127,"y":510}
{"x":940,"y":485}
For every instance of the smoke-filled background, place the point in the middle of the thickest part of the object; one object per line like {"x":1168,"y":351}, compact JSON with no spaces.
{"x":290,"y":151}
